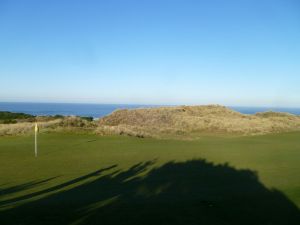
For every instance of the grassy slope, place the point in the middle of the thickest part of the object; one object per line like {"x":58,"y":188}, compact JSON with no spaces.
{"x":187,"y":121}
{"x":63,"y":157}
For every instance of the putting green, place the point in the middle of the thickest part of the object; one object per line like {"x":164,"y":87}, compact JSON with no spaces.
{"x":68,"y":161}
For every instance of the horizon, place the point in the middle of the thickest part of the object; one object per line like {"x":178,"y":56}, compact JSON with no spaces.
{"x":156,"y":105}
{"x":232,"y":53}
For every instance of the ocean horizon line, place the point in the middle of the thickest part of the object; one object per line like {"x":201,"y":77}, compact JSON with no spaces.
{"x":152,"y":104}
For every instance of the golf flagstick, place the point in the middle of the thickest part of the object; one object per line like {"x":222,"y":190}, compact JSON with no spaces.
{"x":36,"y":129}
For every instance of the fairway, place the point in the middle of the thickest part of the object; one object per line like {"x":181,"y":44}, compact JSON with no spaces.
{"x":89,"y":179}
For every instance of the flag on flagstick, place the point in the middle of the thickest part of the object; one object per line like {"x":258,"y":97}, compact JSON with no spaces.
{"x":36,"y":129}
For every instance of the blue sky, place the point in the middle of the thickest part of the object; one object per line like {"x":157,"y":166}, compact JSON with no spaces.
{"x":244,"y":53}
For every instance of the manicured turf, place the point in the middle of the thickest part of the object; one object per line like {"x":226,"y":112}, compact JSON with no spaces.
{"x":88,"y":179}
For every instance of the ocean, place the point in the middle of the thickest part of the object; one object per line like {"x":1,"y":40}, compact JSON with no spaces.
{"x":100,"y":110}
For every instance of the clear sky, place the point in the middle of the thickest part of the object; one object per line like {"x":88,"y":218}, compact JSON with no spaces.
{"x":244,"y":53}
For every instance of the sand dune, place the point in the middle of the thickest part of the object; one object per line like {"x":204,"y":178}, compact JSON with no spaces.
{"x":195,"y":120}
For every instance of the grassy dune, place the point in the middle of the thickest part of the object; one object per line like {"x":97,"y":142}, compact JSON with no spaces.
{"x":194,"y":121}
{"x":88,"y":179}
{"x":182,"y":122}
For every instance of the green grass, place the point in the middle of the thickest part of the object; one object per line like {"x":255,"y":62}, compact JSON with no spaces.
{"x":214,"y":180}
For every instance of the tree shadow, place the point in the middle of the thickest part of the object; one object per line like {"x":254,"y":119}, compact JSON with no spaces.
{"x":25,"y":186}
{"x":191,"y":192}
{"x":32,"y":184}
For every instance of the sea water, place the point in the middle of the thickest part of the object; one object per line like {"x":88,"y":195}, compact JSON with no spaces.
{"x":100,"y":110}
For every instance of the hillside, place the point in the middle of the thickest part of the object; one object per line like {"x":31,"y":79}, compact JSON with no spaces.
{"x":163,"y":122}
{"x":194,"y":120}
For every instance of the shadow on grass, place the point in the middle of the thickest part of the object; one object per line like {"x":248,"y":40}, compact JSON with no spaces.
{"x":28,"y":185}
{"x":22,"y":187}
{"x":192,"y":192}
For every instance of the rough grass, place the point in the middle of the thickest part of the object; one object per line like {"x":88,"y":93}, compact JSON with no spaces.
{"x":187,"y":122}
{"x":26,"y":127}
{"x":88,"y":179}
{"x":47,"y":124}
{"x":195,"y":120}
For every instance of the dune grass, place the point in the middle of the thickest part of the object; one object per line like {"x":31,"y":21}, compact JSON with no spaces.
{"x":88,"y":179}
{"x":180,"y":122}
{"x":194,"y":121}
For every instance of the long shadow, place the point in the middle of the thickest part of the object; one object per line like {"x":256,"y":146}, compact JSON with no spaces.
{"x":192,"y":192}
{"x":22,"y":187}
{"x":28,"y":185}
